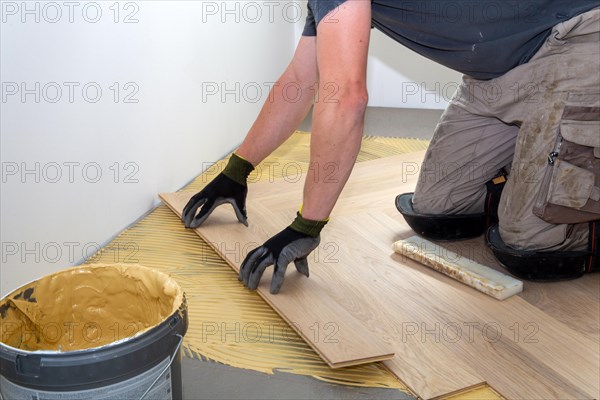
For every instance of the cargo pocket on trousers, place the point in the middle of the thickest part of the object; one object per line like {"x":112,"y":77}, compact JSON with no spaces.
{"x":570,"y":191}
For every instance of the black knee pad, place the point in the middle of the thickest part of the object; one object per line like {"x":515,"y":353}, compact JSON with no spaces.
{"x":457,"y":226}
{"x":440,"y":227}
{"x":547,"y":266}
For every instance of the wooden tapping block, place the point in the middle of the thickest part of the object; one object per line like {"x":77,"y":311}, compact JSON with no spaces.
{"x":462,"y":269}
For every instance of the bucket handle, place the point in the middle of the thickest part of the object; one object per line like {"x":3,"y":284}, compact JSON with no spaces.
{"x":165,"y":368}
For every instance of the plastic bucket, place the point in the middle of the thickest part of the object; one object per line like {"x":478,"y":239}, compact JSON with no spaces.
{"x":145,"y":365}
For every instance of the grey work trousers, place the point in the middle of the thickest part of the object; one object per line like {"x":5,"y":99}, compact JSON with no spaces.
{"x":512,"y":122}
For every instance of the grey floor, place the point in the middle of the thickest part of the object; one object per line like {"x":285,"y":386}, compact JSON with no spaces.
{"x":211,"y":380}
{"x":393,"y":122}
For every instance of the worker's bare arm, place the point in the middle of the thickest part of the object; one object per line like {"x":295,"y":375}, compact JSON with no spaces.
{"x":338,"y":119}
{"x":286,"y":106}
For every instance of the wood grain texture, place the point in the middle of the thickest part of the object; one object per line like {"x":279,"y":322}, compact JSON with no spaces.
{"x":542,"y":343}
{"x":330,"y":330}
{"x":517,"y":349}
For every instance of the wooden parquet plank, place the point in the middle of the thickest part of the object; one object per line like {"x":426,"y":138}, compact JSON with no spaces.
{"x":346,"y":342}
{"x":446,"y":336}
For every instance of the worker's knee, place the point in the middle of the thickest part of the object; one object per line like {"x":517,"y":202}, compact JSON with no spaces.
{"x":431,"y":204}
{"x":542,"y":236}
{"x":441,"y":201}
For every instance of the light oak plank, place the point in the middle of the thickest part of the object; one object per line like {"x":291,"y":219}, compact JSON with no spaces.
{"x":305,"y":304}
{"x":360,"y":282}
{"x":373,"y":186}
{"x":391,"y":295}
{"x":519,"y":350}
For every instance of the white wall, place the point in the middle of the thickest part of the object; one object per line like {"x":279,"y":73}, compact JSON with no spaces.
{"x":170,"y":61}
{"x":55,"y":215}
{"x":400,"y":78}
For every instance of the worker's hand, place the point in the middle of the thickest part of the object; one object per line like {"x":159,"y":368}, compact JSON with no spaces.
{"x":221,"y":190}
{"x":287,"y":246}
{"x":294,"y":243}
{"x":228,"y":187}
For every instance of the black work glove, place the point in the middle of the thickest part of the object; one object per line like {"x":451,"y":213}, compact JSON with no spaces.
{"x":294,"y":243}
{"x":228,"y":187}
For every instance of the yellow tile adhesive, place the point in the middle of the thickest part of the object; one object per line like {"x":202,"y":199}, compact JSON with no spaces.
{"x":87,"y":307}
{"x":229,"y":324}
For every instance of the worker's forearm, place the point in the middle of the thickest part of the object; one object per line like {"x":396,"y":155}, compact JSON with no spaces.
{"x":288,"y":104}
{"x":337,"y":133}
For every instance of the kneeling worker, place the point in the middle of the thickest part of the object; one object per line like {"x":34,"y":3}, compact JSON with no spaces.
{"x":516,"y":154}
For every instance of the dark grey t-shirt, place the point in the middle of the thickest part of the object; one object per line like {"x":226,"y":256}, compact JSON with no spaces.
{"x":480,"y":38}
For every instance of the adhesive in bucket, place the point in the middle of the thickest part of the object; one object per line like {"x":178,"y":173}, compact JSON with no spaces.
{"x":95,"y":332}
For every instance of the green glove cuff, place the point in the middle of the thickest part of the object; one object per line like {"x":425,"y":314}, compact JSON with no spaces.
{"x":238,"y":169}
{"x":307,"y":226}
